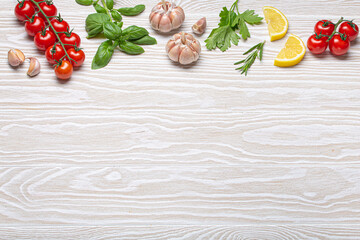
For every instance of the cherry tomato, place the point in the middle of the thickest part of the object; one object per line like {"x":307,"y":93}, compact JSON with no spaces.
{"x":64,"y":70}
{"x":350,"y":29}
{"x":324,"y":27}
{"x":339,"y":45}
{"x":317,"y":45}
{"x":49,"y":9}
{"x":54,"y":54}
{"x":44,"y":39}
{"x":60,"y":25}
{"x":72,"y":39}
{"x":77,"y":55}
{"x":24,"y":10}
{"x":34,"y":25}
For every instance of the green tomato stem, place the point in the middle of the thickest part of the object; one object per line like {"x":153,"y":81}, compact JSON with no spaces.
{"x":336,"y":26}
{"x":52,"y":27}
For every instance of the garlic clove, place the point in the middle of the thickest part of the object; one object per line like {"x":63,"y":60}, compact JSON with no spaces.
{"x":180,"y":12}
{"x":176,"y":18}
{"x":16,"y":57}
{"x":200,"y":26}
{"x":174,"y":53}
{"x":34,"y":68}
{"x":155,"y":21}
{"x":170,"y":45}
{"x":186,"y":56}
{"x":196,"y":46}
{"x":165,"y":24}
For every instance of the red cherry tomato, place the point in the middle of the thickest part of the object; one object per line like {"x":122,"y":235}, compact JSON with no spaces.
{"x":339,"y":45}
{"x":60,"y":25}
{"x":44,"y":39}
{"x":64,"y":70}
{"x":34,"y":26}
{"x":324,"y":27}
{"x":54,"y":55}
{"x":350,"y":29}
{"x":24,"y":10}
{"x":317,"y":45}
{"x":49,"y":9}
{"x":77,"y":55}
{"x":70,"y":40}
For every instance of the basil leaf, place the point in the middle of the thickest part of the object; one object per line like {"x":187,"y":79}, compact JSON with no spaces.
{"x":134,"y":32}
{"x":112,"y":31}
{"x":99,"y":8}
{"x":110,"y":4}
{"x":147,"y":40}
{"x":120,"y":24}
{"x":84,"y":2}
{"x":132,"y":11}
{"x":116,"y":15}
{"x":131,"y":48}
{"x":94,"y":23}
{"x":103,"y":55}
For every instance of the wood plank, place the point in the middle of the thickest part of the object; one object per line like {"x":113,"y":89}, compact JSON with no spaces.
{"x":45,"y":138}
{"x":174,"y":195}
{"x":331,"y":232}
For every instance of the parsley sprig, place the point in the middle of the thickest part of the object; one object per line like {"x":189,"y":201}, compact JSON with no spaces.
{"x":256,"y":52}
{"x":231,"y":21}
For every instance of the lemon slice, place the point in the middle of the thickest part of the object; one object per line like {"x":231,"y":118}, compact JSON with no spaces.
{"x":277,"y":23}
{"x":293,"y":52}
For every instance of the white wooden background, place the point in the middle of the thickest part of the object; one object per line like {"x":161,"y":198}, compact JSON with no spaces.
{"x":146,"y":149}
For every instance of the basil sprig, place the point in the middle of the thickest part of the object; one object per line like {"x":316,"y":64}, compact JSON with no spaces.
{"x":107,"y":22}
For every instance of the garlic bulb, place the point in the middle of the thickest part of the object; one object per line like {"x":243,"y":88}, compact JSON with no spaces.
{"x":183,"y":48}
{"x":166,"y":16}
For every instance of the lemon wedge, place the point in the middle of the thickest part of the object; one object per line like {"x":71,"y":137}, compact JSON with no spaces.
{"x":293,"y":52}
{"x":277,"y":23}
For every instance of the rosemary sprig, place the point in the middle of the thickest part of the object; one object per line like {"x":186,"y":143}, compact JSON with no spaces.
{"x":256,"y":52}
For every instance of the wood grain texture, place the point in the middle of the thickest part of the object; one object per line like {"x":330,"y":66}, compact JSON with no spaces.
{"x":147,"y":149}
{"x":180,"y":195}
{"x":268,"y":232}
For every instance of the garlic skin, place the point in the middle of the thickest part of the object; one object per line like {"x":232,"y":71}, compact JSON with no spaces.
{"x":16,"y":57}
{"x":183,"y":48}
{"x":166,"y":16}
{"x":34,"y":68}
{"x":200,"y":26}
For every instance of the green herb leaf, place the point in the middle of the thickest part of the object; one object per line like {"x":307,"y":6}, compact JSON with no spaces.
{"x":111,"y":30}
{"x":250,"y":17}
{"x":84,"y":2}
{"x":256,"y":52}
{"x":116,"y":15}
{"x":134,"y":32}
{"x":99,"y":8}
{"x":110,"y":4}
{"x":132,"y":11}
{"x":222,"y":38}
{"x":103,"y":55}
{"x":231,"y":21}
{"x":94,"y":23}
{"x":147,"y":40}
{"x":131,"y":48}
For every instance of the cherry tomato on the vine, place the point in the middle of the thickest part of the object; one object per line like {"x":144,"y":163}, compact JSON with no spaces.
{"x":324,"y":27}
{"x":339,"y":45}
{"x":350,"y":29}
{"x":34,"y":25}
{"x":60,"y":25}
{"x":54,"y":54}
{"x":49,"y":9}
{"x":70,"y":40}
{"x":77,"y":55}
{"x":317,"y":45}
{"x":44,"y":39}
{"x":64,"y":70}
{"x":24,"y":10}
